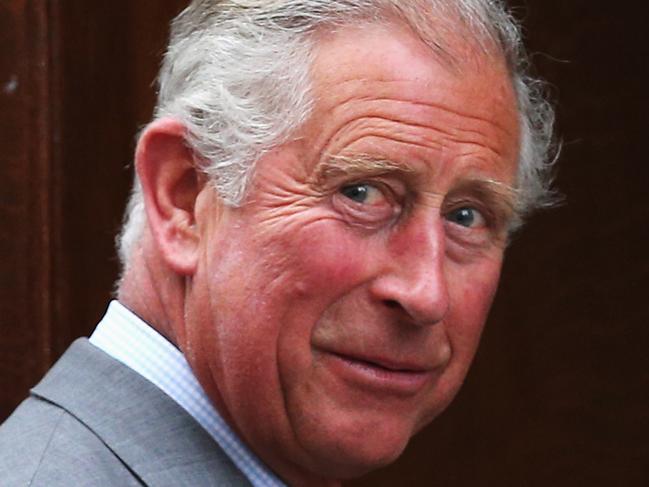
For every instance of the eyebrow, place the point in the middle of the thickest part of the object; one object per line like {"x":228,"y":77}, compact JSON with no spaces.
{"x":490,"y":188}
{"x":361,"y":165}
{"x":502,"y":198}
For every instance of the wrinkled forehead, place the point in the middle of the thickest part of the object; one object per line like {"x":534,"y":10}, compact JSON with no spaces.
{"x":456,"y":38}
{"x":381,"y":88}
{"x":391,"y":60}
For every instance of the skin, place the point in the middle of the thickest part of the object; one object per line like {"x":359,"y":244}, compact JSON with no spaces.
{"x":336,"y":312}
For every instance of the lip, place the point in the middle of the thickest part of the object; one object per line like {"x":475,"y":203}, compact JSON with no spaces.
{"x":378,"y":375}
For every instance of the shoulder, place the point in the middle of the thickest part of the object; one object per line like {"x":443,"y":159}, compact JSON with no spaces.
{"x":43,"y":445}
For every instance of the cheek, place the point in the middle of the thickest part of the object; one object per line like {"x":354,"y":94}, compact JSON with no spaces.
{"x":330,"y":261}
{"x":472,"y":298}
{"x":482,"y":290}
{"x":326,"y":263}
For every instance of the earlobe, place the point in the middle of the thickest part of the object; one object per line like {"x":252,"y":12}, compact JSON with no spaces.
{"x":171,"y":183}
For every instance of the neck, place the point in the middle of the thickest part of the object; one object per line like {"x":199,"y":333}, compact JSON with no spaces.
{"x":153,"y":292}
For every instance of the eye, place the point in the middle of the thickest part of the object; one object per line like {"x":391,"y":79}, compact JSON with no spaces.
{"x":367,"y":204}
{"x":363,"y":193}
{"x":467,"y":217}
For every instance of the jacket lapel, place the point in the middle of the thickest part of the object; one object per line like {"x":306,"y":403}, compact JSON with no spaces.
{"x":147,"y":430}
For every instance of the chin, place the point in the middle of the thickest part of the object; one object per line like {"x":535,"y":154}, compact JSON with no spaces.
{"x":364,"y":448}
{"x":361,"y":465}
{"x":350,"y":465}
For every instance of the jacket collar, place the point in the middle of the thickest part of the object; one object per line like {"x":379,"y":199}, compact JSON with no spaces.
{"x":147,"y":430}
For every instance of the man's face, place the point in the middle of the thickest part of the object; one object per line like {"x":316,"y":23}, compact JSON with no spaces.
{"x":337,"y":311}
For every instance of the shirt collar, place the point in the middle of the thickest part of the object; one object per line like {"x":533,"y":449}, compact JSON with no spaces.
{"x":125,"y":337}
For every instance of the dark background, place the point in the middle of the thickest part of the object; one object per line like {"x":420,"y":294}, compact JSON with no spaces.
{"x":559,"y":391}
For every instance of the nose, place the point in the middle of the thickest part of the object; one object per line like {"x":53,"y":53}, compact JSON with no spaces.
{"x":414,"y":278}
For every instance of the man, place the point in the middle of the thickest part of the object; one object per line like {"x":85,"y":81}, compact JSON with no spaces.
{"x":320,"y":212}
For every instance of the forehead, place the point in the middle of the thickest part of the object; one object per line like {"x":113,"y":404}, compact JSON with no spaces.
{"x":382,"y":73}
{"x":391,"y":52}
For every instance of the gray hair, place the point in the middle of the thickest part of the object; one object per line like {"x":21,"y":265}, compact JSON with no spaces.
{"x":236,"y":74}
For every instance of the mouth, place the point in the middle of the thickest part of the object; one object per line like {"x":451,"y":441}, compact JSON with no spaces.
{"x":379,"y":374}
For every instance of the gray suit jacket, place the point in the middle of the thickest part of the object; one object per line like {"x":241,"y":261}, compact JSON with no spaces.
{"x":92,"y":421}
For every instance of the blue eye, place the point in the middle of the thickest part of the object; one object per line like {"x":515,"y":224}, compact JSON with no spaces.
{"x":357,"y":192}
{"x":363,"y":193}
{"x":366,"y":203}
{"x":466,"y":217}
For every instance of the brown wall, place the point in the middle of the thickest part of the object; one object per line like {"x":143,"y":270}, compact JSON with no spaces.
{"x":558,"y":392}
{"x":75,"y":85}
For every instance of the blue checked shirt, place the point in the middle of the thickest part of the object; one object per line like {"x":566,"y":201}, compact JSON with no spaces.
{"x":125,"y":337}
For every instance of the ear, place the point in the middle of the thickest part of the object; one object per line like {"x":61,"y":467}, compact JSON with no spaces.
{"x":170,"y":184}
